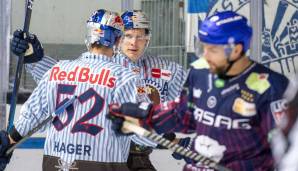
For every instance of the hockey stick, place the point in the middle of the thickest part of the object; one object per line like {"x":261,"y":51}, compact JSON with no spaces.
{"x":57,"y":112}
{"x":29,"y":4}
{"x":130,"y":127}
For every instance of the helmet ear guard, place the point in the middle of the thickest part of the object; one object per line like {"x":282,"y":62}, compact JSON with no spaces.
{"x":103,"y":28}
{"x":229,"y":47}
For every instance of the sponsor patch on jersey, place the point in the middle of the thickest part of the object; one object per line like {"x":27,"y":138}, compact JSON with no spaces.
{"x":247,"y":96}
{"x":161,"y":73}
{"x":258,"y":82}
{"x":278,"y":109}
{"x":166,"y":75}
{"x":141,"y":90}
{"x":84,"y":75}
{"x":220,"y":121}
{"x":230,"y":89}
{"x":211,"y":102}
{"x":156,"y":72}
{"x":136,"y":70}
{"x":197,"y":92}
{"x":244,"y":108}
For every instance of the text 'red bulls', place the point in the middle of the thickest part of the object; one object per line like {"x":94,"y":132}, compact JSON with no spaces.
{"x":83,"y":75}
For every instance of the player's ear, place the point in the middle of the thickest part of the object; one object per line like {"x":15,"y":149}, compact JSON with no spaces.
{"x":118,"y":41}
{"x":237,"y":51}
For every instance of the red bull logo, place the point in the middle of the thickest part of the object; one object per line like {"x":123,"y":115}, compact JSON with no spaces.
{"x":84,"y":75}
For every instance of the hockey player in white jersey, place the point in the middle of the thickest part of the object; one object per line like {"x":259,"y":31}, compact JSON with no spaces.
{"x":164,"y":79}
{"x":81,"y":137}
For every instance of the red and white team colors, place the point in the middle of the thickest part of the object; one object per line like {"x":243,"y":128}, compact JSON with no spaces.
{"x":82,"y":132}
{"x":164,"y":79}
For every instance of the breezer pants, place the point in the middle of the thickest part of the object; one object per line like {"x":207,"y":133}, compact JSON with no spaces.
{"x":51,"y":163}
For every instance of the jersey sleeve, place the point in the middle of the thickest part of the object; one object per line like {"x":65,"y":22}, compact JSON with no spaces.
{"x":272,"y":105}
{"x":177,"y":82}
{"x":35,"y":109}
{"x":38,"y":69}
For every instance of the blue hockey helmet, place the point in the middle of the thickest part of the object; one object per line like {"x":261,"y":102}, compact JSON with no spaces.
{"x":104,"y":28}
{"x":225,"y":28}
{"x":133,"y":19}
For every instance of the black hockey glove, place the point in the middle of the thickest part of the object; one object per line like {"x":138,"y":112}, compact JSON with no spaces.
{"x":117,"y":112}
{"x":29,"y":46}
{"x":158,"y":117}
{"x":4,"y":145}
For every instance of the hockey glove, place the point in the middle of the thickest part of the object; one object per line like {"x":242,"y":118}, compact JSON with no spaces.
{"x":134,"y":112}
{"x":4,"y":145}
{"x":29,"y":46}
{"x":157,"y":117}
{"x":186,"y":143}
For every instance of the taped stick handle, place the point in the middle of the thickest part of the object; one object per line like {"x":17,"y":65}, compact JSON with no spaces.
{"x":127,"y":126}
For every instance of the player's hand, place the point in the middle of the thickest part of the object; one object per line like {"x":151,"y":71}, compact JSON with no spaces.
{"x":4,"y":145}
{"x":158,"y":117}
{"x":30,"y":47}
{"x":186,"y":143}
{"x":135,"y":113}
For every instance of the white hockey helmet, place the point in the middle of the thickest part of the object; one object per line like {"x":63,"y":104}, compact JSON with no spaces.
{"x":104,"y":28}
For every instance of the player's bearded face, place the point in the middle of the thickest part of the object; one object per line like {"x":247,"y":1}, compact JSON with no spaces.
{"x":216,"y":58}
{"x":133,"y":43}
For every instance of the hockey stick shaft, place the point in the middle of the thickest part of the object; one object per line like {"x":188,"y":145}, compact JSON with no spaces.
{"x":173,"y":146}
{"x":39,"y":126}
{"x":13,"y":101}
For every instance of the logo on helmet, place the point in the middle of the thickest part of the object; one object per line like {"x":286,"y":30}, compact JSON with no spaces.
{"x":117,"y":23}
{"x":228,"y":20}
{"x":214,"y":18}
{"x":99,"y":32}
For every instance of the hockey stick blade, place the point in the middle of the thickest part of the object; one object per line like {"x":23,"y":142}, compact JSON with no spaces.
{"x":127,"y":126}
{"x":16,"y":85}
{"x":39,"y":126}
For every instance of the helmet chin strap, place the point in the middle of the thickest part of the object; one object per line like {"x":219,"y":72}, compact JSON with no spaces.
{"x":228,"y":51}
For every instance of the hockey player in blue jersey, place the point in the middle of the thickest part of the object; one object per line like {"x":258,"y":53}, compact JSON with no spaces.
{"x":81,"y":137}
{"x":232,"y":103}
{"x":164,"y":79}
